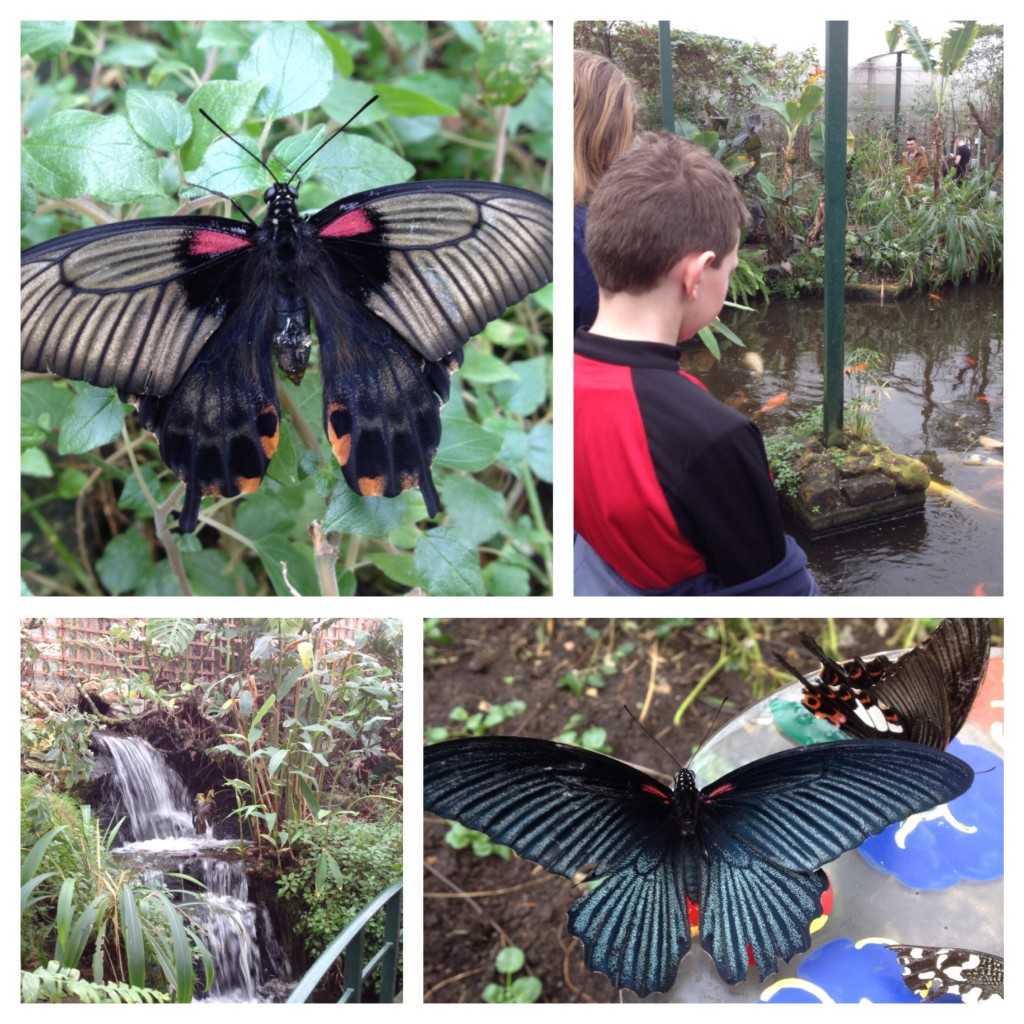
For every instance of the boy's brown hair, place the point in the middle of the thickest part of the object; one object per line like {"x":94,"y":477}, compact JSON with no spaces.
{"x":604,"y":108}
{"x":658,"y":202}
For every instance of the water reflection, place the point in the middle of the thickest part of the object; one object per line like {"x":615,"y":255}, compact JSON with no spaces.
{"x":944,"y":365}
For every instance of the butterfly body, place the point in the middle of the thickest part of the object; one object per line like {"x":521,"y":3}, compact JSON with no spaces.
{"x":181,"y":315}
{"x":747,"y":850}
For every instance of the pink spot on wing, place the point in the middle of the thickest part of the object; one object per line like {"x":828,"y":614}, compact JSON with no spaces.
{"x":213,"y":243}
{"x":654,"y":791}
{"x":354,"y":223}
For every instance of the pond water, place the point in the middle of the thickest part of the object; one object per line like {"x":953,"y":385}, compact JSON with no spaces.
{"x":943,"y":404}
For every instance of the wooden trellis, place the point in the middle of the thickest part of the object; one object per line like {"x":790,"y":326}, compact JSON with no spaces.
{"x":84,"y":649}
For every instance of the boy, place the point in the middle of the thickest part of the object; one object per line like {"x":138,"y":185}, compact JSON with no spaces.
{"x":673,"y":493}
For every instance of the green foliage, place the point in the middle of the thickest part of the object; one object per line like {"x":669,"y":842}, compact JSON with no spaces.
{"x":302,"y":724}
{"x":594,"y":737}
{"x":458,"y":837}
{"x":476,"y":723}
{"x":112,"y":114}
{"x":76,"y":901}
{"x":527,"y":989}
{"x":370,"y":858}
{"x":785,"y":446}
{"x":55,"y":983}
{"x":865,"y":388}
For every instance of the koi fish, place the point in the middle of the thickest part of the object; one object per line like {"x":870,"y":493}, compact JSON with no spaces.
{"x":955,"y":494}
{"x":980,"y":590}
{"x":977,"y":459}
{"x":932,"y":295}
{"x":754,"y":362}
{"x":859,"y":368}
{"x":990,"y":442}
{"x":971,"y":361}
{"x":986,"y":398}
{"x":773,"y":403}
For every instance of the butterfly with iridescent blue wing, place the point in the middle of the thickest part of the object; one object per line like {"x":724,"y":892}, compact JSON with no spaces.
{"x":746,"y":850}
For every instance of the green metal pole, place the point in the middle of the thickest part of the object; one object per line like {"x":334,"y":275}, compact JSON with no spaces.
{"x":836,"y":58}
{"x":668,"y":113}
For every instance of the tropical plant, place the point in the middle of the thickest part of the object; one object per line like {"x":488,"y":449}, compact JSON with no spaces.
{"x":457,"y":100}
{"x":135,"y":931}
{"x":953,"y":49}
{"x":301,"y":728}
{"x":57,"y":984}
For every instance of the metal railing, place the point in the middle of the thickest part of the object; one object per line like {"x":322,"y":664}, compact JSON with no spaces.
{"x":351,"y":942}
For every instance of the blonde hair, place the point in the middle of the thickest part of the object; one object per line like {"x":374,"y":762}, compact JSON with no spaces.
{"x":604,"y":109}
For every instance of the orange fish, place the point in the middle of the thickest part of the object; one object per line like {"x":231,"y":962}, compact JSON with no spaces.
{"x":979,"y":590}
{"x":773,"y":403}
{"x":859,"y":368}
{"x":932,"y":295}
{"x":971,"y":361}
{"x":985,"y":398}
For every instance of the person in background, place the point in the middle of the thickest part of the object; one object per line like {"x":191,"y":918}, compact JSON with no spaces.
{"x":672,"y":491}
{"x":604,"y":109}
{"x":915,"y":160}
{"x":960,"y":157}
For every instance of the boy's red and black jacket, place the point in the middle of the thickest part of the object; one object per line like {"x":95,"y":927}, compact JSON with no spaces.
{"x":669,"y":482}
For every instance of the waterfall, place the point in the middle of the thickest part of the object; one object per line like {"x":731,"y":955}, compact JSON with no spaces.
{"x":250,"y":965}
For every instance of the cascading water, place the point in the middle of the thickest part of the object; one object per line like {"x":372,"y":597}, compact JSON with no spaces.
{"x":142,"y":787}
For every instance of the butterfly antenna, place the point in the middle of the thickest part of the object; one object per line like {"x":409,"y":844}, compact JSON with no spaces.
{"x":650,"y":735}
{"x":331,"y":138}
{"x":711,"y":728}
{"x":219,"y":195}
{"x":255,"y":156}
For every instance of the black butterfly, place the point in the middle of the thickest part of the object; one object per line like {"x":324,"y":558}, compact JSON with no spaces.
{"x":180,"y":315}
{"x":747,"y":850}
{"x":933,"y":971}
{"x":923,"y":696}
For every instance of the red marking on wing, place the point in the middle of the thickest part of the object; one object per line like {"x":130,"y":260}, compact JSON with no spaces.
{"x":654,"y":791}
{"x":354,"y":223}
{"x":728,"y":787}
{"x":213,"y":243}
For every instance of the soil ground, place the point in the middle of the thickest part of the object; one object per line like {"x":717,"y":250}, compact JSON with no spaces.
{"x":474,"y":906}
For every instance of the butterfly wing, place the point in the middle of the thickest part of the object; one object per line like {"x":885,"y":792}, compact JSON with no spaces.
{"x":769,"y":826}
{"x":218,"y":428}
{"x":924,"y":696}
{"x":933,"y":686}
{"x":168,"y":310}
{"x":438,"y":260}
{"x":568,"y":809}
{"x":418,"y":268}
{"x":933,"y":971}
{"x":130,"y":304}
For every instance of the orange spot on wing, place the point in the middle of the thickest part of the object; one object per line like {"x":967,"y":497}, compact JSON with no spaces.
{"x":248,"y":484}
{"x":371,"y":486}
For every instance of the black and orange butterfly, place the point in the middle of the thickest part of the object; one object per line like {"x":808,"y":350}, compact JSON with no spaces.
{"x":181,"y":314}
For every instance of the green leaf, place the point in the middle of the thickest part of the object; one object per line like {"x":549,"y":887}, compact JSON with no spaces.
{"x":158,"y":118}
{"x":446,"y":564}
{"x":920,"y":50}
{"x":540,"y":451}
{"x":510,"y":959}
{"x":123,"y":562}
{"x":956,"y":44}
{"x":42,"y":39}
{"x":228,"y":103}
{"x":94,"y":418}
{"x":475,"y":510}
{"x":347,"y":512}
{"x":354,"y":163}
{"x":76,"y":152}
{"x":294,"y":65}
{"x":530,"y":388}
{"x":466,"y":445}
{"x":484,"y":368}
{"x":131,"y":931}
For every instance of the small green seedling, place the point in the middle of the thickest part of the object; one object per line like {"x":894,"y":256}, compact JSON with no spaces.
{"x":458,"y":837}
{"x":519,"y":990}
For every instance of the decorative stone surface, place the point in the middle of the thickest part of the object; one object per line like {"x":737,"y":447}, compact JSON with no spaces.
{"x":839,"y":489}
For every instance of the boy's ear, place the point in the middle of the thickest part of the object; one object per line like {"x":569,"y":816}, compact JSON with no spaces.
{"x":691,"y":268}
